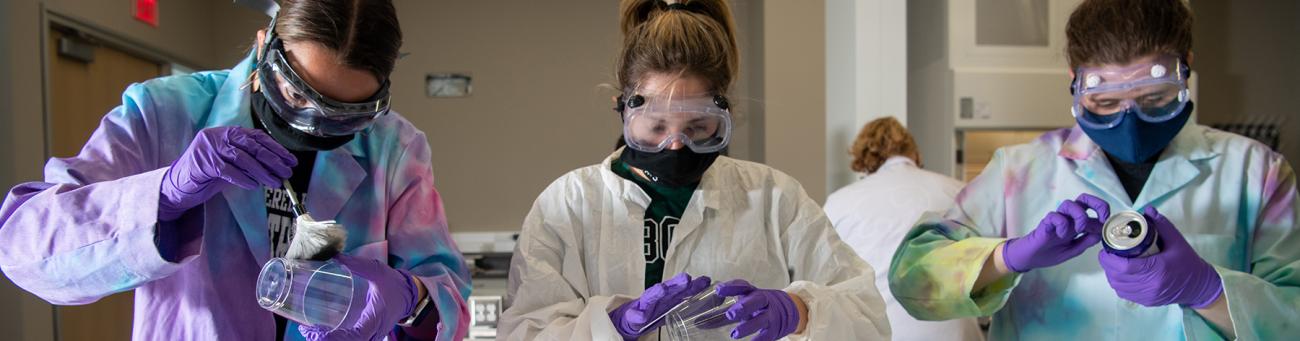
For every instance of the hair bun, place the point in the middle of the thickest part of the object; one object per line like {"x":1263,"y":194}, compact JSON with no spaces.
{"x":692,"y":36}
{"x":638,"y":12}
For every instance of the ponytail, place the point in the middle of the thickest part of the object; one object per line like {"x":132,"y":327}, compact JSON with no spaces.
{"x":692,"y":37}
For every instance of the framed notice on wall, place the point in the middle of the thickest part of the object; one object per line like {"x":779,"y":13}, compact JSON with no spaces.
{"x":447,"y":85}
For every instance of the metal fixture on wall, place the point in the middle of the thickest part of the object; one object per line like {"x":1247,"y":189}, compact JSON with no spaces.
{"x":1265,"y":129}
{"x":77,"y":49}
{"x":447,"y":85}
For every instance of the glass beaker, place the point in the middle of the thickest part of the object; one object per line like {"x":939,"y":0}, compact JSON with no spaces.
{"x":700,"y":317}
{"x":313,"y":293}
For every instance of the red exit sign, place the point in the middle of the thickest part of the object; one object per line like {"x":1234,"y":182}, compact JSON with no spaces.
{"x":146,"y":11}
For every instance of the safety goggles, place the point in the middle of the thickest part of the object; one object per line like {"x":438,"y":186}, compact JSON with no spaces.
{"x":652,"y":123}
{"x":1155,"y":91}
{"x":306,"y":109}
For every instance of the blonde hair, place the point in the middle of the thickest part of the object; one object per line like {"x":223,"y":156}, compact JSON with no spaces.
{"x":689,"y":37}
{"x":879,"y":140}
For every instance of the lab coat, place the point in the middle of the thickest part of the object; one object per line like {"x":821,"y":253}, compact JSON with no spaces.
{"x":873,"y":214}
{"x":1232,"y":198}
{"x":90,"y":229}
{"x":580,"y":253}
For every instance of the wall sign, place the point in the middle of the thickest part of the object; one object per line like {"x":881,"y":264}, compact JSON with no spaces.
{"x":146,"y":11}
{"x":447,"y":85}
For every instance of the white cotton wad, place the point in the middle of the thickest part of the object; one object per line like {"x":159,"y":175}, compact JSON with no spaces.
{"x":316,"y":240}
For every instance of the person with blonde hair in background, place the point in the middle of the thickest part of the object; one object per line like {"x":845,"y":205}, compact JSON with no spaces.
{"x":873,"y":214}
{"x":609,"y":248}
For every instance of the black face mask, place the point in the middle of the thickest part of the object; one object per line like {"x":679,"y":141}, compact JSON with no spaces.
{"x":286,"y":135}
{"x":673,"y":168}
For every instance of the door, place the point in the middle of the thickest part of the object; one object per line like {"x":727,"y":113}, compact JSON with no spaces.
{"x":81,"y":92}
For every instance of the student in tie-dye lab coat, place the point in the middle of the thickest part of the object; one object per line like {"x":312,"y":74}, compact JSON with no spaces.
{"x":1022,"y":243}
{"x":177,"y":194}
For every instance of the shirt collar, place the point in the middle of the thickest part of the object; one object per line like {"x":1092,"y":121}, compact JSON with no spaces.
{"x":896,"y":160}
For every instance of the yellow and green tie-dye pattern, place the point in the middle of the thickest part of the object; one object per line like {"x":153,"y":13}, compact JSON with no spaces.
{"x":1232,"y":198}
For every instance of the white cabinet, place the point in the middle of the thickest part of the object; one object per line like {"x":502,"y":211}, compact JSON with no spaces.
{"x":1008,"y":64}
{"x":1008,"y":34}
{"x":982,"y":65}
{"x":1010,"y":99}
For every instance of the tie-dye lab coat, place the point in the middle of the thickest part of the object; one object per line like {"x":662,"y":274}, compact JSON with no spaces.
{"x":1232,"y":198}
{"x":88,"y":230}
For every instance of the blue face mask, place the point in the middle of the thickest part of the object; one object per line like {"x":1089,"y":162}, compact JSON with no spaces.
{"x":1135,"y":140}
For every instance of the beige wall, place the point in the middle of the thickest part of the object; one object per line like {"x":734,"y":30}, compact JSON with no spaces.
{"x":539,"y":107}
{"x":794,"y":74}
{"x":234,"y":39}
{"x":536,"y":111}
{"x":25,"y":316}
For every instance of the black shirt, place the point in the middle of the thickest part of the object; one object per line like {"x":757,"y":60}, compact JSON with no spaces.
{"x":1133,"y":175}
{"x":667,"y":204}
{"x":279,"y":212}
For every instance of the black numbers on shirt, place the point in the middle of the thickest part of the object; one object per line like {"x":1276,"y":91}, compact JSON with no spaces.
{"x":657,"y":236}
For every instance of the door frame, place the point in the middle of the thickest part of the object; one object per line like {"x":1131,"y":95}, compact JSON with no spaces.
{"x":51,"y":19}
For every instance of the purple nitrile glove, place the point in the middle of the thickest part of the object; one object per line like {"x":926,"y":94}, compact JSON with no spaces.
{"x":219,"y":157}
{"x":1176,"y":274}
{"x":391,"y":297}
{"x":631,"y":318}
{"x":1061,"y":235}
{"x":769,"y":312}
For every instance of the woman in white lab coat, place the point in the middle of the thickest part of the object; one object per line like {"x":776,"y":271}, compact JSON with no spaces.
{"x":873,"y":215}
{"x":608,"y":248}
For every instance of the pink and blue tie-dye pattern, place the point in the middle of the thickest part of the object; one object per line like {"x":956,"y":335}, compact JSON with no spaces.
{"x":1232,"y":198}
{"x":90,"y":229}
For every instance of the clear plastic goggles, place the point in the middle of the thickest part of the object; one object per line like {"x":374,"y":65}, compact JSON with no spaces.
{"x":652,"y":123}
{"x":307,"y":110}
{"x":1155,"y":91}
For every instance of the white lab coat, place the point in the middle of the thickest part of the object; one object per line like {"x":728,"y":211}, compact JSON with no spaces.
{"x":579,"y":255}
{"x":874,"y":214}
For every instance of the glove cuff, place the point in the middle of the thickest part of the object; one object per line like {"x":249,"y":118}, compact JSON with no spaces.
{"x":413,"y":290}
{"x":616,"y":317}
{"x":1214,"y":289}
{"x":1006,"y":257}
{"x":789,"y":307}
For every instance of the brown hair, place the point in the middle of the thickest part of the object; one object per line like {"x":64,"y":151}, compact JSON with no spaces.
{"x":364,"y":33}
{"x":879,"y":140}
{"x":1118,"y":31}
{"x":691,"y":37}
